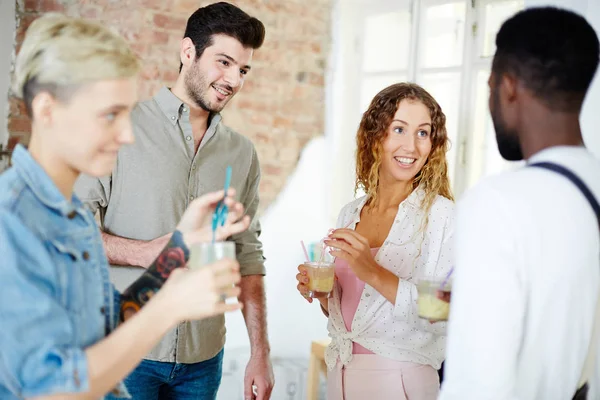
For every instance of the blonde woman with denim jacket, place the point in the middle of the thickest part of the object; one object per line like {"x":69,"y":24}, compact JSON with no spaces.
{"x":60,"y":337}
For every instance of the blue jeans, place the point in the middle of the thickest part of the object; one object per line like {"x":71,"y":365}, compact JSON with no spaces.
{"x":154,"y":380}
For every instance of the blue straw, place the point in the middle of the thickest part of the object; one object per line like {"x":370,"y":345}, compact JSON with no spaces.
{"x":446,"y":279}
{"x":220,"y":214}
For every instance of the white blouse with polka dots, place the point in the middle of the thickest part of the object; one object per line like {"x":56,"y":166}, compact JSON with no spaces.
{"x":395,"y":330}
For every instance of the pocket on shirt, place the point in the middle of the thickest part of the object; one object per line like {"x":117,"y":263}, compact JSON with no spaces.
{"x":69,"y":259}
{"x":400,"y":258}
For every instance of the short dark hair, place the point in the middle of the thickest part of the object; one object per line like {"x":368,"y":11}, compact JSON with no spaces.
{"x":226,"y":19}
{"x":552,"y":52}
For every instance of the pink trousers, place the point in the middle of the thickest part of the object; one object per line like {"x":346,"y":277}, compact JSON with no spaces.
{"x":372,"y":377}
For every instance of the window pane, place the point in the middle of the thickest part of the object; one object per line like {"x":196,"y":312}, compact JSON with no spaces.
{"x":445,"y":88}
{"x":386,"y":42}
{"x":495,"y":15}
{"x":481,"y":127}
{"x":374,"y":84}
{"x":484,"y":158}
{"x":443,"y":32}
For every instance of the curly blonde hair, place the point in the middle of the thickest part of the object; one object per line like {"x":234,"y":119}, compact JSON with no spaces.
{"x":373,"y":129}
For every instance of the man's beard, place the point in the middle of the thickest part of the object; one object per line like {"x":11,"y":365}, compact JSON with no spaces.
{"x":197,"y":88}
{"x":507,"y":139}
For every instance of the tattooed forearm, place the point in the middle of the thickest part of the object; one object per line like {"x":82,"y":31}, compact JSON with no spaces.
{"x":174,"y":255}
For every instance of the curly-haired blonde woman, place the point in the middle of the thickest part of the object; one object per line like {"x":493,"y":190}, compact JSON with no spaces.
{"x":399,"y":231}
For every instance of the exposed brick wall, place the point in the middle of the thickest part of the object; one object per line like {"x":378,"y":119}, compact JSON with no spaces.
{"x":282,"y":103}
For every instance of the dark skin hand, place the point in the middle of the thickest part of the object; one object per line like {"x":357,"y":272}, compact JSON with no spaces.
{"x":443,"y":295}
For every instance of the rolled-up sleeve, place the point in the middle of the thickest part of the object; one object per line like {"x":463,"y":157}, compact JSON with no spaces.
{"x":405,"y":307}
{"x":435,"y":262}
{"x":445,"y":262}
{"x":249,"y":251}
{"x":36,"y":338}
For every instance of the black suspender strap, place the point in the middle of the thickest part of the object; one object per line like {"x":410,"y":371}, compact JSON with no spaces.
{"x":576,"y":181}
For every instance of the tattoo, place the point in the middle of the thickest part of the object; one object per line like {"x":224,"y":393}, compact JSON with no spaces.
{"x":175,"y":255}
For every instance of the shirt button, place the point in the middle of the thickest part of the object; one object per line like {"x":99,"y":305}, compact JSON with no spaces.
{"x":191,"y":197}
{"x":103,"y":310}
{"x":86,"y":255}
{"x":173,"y":118}
{"x":72,"y":214}
{"x":368,"y":295}
{"x":188,"y":138}
{"x":184,"y":109}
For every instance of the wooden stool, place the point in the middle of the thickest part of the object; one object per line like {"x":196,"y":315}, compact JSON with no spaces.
{"x":316,"y":367}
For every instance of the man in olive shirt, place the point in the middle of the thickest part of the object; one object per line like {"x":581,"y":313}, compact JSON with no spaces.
{"x":182,"y":150}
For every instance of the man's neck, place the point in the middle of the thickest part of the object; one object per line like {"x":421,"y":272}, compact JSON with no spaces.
{"x":199,"y":117}
{"x":543,"y":128}
{"x":199,"y":128}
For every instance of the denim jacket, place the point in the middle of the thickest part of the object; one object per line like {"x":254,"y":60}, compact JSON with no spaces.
{"x":56,"y":298}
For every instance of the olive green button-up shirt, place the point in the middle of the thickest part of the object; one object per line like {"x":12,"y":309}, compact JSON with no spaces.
{"x":152,"y":184}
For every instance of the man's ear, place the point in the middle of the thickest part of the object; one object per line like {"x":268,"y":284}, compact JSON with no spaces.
{"x":187,"y":52}
{"x":509,"y":87}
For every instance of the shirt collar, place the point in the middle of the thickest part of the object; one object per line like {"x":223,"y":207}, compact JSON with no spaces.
{"x":41,"y":184}
{"x":551,"y":153}
{"x":173,"y":107}
{"x":414,"y":200}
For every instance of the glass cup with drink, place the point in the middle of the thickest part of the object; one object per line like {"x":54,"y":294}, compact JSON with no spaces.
{"x":203,"y":254}
{"x":433,"y":299}
{"x":320,"y":278}
{"x":320,"y":273}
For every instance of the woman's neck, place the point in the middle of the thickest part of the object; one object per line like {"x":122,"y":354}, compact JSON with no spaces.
{"x":61,"y":174}
{"x":390,"y":195}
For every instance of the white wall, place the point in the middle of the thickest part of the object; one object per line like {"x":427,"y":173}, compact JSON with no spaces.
{"x":341,"y":126}
{"x":299,"y":213}
{"x":7,"y":35}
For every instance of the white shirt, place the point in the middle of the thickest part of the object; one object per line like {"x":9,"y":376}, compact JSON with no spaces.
{"x":526,"y":283}
{"x":394,"y":330}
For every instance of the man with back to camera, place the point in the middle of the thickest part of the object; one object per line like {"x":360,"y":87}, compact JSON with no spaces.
{"x":526,"y":285}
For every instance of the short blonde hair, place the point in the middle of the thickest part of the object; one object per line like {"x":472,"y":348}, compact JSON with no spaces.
{"x":61,"y":53}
